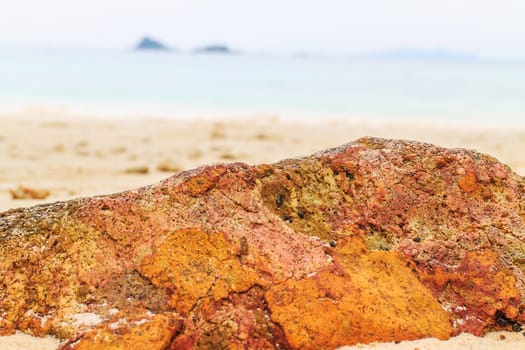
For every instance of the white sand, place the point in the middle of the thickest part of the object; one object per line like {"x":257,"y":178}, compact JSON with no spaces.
{"x":21,"y":341}
{"x":499,"y":341}
{"x":75,"y":158}
{"x":81,"y":157}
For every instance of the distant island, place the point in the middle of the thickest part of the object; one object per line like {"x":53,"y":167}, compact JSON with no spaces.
{"x":402,"y":54}
{"x":148,"y":43}
{"x":220,"y":49}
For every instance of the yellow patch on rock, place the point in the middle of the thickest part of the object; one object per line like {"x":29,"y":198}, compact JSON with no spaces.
{"x":192,"y":264}
{"x":365,"y":296}
{"x":152,"y":334}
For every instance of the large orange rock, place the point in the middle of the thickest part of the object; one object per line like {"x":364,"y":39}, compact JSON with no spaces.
{"x":377,"y":240}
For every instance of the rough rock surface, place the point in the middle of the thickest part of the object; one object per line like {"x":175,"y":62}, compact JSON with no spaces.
{"x":377,"y":240}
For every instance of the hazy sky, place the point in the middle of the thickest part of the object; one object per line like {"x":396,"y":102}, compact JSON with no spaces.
{"x":494,"y":28}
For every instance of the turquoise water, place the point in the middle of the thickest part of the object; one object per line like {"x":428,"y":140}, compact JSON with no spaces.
{"x":265,"y":84}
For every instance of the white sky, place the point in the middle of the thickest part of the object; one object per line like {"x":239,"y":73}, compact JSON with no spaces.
{"x":493,"y":28}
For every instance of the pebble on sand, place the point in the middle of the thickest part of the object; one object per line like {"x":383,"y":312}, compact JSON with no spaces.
{"x":23,"y":192}
{"x":141,"y":169}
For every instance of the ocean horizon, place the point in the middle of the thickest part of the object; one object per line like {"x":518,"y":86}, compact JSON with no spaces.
{"x":174,"y":83}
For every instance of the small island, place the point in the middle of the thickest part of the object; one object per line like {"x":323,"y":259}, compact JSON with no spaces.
{"x":218,"y":49}
{"x":148,"y":43}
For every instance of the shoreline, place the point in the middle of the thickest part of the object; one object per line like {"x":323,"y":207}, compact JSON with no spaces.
{"x":114,"y":112}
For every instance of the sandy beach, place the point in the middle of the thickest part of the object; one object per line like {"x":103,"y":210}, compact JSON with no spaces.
{"x":68,"y":157}
{"x":73,"y":157}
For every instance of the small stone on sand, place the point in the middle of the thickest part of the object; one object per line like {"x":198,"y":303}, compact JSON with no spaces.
{"x":168,"y":166}
{"x":22,"y":192}
{"x":141,"y":169}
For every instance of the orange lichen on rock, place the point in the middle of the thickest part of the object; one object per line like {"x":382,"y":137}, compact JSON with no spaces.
{"x":364,"y":296}
{"x":191,"y":264}
{"x":201,"y":181}
{"x":468,"y":181}
{"x":149,"y":333}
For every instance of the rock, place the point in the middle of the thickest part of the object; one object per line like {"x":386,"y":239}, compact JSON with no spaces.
{"x":23,"y":192}
{"x":148,"y":43}
{"x":168,"y":166}
{"x":377,"y":240}
{"x":139,"y":169}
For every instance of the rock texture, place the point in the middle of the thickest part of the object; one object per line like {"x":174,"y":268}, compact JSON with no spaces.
{"x":377,"y":240}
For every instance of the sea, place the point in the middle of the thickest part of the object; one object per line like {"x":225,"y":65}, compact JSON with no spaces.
{"x":304,"y":86}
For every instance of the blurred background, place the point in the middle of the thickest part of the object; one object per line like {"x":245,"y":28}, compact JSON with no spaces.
{"x":108,"y":95}
{"x":374,"y":59}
